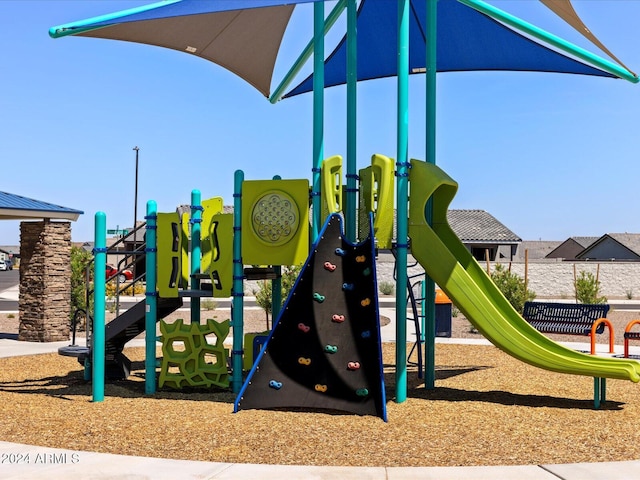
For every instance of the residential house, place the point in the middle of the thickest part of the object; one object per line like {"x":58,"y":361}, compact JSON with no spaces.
{"x":613,"y":247}
{"x":571,"y":248}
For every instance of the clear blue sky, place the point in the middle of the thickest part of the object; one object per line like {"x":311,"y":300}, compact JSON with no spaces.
{"x":549,"y":155}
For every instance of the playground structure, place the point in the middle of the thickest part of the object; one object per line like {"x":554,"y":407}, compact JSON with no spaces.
{"x":315,"y":356}
{"x":441,"y":254}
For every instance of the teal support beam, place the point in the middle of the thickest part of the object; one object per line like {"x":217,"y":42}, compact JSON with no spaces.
{"x":196,"y":252}
{"x":99,"y":306}
{"x":276,"y":287}
{"x":237,"y":320}
{"x":318,"y":116}
{"x":402,"y":199}
{"x":151,"y":298}
{"x":430,"y":136}
{"x":352,"y":104}
{"x":306,"y":54}
{"x":551,"y":39}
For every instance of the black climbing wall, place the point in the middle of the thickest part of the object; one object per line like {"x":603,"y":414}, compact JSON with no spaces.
{"x":324,"y":350}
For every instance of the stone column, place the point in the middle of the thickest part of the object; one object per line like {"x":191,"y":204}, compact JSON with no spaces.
{"x":45,"y":281}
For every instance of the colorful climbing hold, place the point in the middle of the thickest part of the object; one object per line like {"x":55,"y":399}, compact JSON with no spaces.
{"x":353,"y":365}
{"x":320,"y":388}
{"x":329,"y":266}
{"x":366,"y":334}
{"x":304,"y":361}
{"x":366,"y":272}
{"x":304,"y":328}
{"x":361,"y":259}
{"x":365,"y":302}
{"x":340,"y":252}
{"x":337,"y":318}
{"x":362,"y":392}
{"x":330,"y":348}
{"x":318,"y":298}
{"x":275,"y":385}
{"x":348,"y":287}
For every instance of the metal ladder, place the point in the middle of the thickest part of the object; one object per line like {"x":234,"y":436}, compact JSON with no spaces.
{"x":417,"y":312}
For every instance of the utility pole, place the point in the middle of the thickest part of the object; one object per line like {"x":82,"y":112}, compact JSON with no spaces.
{"x":135,"y":199}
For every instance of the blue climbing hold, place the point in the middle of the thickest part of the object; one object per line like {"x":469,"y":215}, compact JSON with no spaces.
{"x":348,"y":287}
{"x":340,"y":252}
{"x":365,"y":334}
{"x":275,"y":385}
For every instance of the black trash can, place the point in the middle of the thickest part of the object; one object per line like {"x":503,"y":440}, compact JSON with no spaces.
{"x":443,"y":314}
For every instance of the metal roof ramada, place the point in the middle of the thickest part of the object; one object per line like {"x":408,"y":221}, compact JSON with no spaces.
{"x":17,"y":207}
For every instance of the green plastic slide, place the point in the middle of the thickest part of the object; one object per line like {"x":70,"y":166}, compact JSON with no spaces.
{"x":448,"y":262}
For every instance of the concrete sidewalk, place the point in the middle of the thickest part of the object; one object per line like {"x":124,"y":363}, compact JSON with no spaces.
{"x":29,"y":462}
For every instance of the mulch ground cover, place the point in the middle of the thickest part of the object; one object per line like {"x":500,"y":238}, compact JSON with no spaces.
{"x":487,"y":409}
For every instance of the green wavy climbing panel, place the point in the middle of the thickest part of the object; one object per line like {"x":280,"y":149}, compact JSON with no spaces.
{"x":189,"y":360}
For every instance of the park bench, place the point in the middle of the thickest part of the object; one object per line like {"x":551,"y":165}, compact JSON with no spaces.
{"x":629,"y":335}
{"x":570,"y":319}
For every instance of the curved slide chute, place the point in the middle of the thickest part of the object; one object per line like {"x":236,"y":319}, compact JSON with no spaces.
{"x":453,"y":268}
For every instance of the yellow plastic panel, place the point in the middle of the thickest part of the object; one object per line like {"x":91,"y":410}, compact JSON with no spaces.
{"x":169,"y":239}
{"x":188,"y":359}
{"x":210,"y":207}
{"x":275,"y":222}
{"x":377,"y":196}
{"x":331,"y":186}
{"x":221,"y":247}
{"x":186,"y":268}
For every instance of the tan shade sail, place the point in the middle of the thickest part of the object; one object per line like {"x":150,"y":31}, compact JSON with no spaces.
{"x":564,"y":9}
{"x":245,"y":41}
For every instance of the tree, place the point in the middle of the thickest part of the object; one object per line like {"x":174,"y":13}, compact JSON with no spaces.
{"x":80,"y":259}
{"x":512,"y":287}
{"x":263,"y":294}
{"x":588,"y":289}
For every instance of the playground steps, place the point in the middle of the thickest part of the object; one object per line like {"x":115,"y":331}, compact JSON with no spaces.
{"x":126,"y":327}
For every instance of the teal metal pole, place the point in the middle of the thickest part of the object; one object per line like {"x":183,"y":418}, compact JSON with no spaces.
{"x":196,"y":229}
{"x":151,"y":299}
{"x":318,"y":115}
{"x":276,"y":287}
{"x":306,"y":53}
{"x":237,"y":321}
{"x":429,"y":287}
{"x":557,"y":42}
{"x":352,"y":105}
{"x":402,"y":199}
{"x":99,"y":293}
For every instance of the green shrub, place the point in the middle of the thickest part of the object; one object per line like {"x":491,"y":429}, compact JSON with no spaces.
{"x":512,"y":287}
{"x":80,"y":258}
{"x":263,"y":293}
{"x":588,"y":289}
{"x":387,"y":288}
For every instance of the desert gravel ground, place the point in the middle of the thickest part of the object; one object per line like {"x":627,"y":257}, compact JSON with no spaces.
{"x":487,"y":409}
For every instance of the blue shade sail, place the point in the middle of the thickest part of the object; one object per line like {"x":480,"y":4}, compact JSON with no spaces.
{"x":467,"y":41}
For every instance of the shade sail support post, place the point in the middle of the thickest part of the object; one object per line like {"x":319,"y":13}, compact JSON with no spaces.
{"x":352,"y":115}
{"x":402,"y":182}
{"x":318,"y":115}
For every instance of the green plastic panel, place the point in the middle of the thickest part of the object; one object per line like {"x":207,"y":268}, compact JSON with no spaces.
{"x":221,"y":246}
{"x":189,"y":360}
{"x":377,"y":196}
{"x":210,"y":207}
{"x":331,"y":186}
{"x":275,"y":222}
{"x":169,"y":237}
{"x":186,"y":271}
